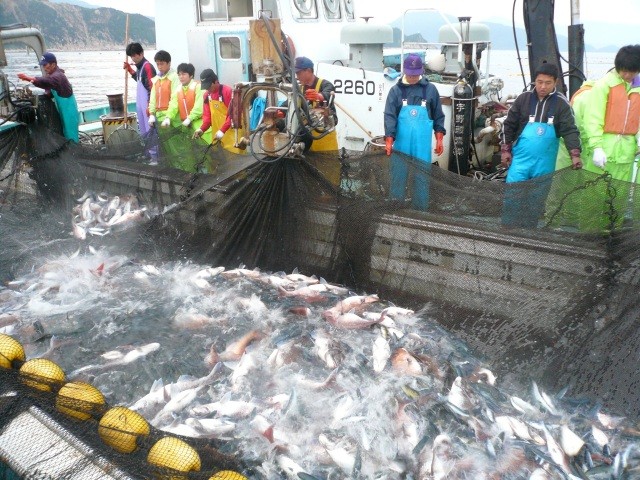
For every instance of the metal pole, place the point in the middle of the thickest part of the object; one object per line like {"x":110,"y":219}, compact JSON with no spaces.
{"x":576,"y":49}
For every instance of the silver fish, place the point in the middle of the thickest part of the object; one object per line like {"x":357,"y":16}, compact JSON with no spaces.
{"x":129,"y":357}
{"x":211,"y":427}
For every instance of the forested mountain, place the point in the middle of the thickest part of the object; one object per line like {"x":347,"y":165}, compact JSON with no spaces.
{"x":66,"y":26}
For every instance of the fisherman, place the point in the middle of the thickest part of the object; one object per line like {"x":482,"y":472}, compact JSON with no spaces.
{"x":608,"y":116}
{"x":164,"y":84}
{"x":412,"y":114}
{"x":319,"y":93}
{"x":216,"y":101}
{"x":56,"y":84}
{"x":185,"y":106}
{"x":143,"y":75}
{"x":530,"y":141}
{"x":185,"y":113}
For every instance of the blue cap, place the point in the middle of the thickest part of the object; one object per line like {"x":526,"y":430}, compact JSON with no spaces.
{"x":303,"y":63}
{"x":413,"y":65}
{"x":48,"y":57}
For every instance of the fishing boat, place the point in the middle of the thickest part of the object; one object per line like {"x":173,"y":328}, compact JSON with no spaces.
{"x":548,"y":301}
{"x":489,"y":282}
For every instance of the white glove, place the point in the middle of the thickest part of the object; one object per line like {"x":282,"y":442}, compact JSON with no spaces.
{"x":152,"y":120}
{"x":197,"y":133}
{"x":219,"y":134}
{"x":599,"y":158}
{"x":187,"y":122}
{"x":166,"y":122}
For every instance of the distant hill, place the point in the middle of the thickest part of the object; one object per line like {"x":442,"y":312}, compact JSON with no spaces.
{"x":501,"y":34}
{"x":72,"y":27}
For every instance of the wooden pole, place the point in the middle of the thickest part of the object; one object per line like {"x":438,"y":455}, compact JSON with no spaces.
{"x":126,"y":71}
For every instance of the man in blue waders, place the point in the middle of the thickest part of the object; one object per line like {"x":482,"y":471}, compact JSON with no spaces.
{"x":530,"y":140}
{"x":56,"y":84}
{"x":411,"y":116}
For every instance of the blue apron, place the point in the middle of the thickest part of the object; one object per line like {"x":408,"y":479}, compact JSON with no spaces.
{"x":535,"y":152}
{"x":534,"y":155}
{"x":413,"y":137}
{"x":68,"y":111}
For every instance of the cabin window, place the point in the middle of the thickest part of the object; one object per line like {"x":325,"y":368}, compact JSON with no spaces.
{"x":229,"y":48}
{"x":332,"y":9}
{"x":212,"y":10}
{"x":304,"y":9}
{"x":271,"y":6}
{"x":348,"y":10}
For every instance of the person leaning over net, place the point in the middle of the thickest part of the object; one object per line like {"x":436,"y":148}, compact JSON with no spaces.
{"x":412,"y":114}
{"x":185,"y":106}
{"x":143,"y":75}
{"x":215,"y":111}
{"x":185,"y":116}
{"x":529,"y":147}
{"x":56,"y":84}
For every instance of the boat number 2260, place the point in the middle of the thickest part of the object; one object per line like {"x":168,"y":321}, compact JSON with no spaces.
{"x":357,"y":87}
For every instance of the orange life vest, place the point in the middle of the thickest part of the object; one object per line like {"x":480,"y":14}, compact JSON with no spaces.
{"x":163,"y":93}
{"x":622,"y":116}
{"x":623,"y":111}
{"x":186,"y":101}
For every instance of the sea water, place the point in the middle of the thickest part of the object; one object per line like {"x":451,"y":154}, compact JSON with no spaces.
{"x":96,"y":74}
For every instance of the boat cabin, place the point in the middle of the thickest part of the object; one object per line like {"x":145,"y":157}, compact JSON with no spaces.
{"x":218,"y":34}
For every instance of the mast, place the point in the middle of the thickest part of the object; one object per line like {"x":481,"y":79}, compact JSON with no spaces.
{"x":541,"y":36}
{"x":576,"y":49}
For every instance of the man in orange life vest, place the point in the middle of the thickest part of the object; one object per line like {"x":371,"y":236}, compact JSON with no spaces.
{"x":216,"y":100}
{"x":185,"y":106}
{"x":184,"y":114}
{"x":608,"y":116}
{"x":164,"y":84}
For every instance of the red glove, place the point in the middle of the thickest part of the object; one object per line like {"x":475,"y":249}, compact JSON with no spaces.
{"x":505,"y":155}
{"x":25,"y":77}
{"x":127,"y":66}
{"x":439,"y":146}
{"x":280,"y":114}
{"x":576,"y":161}
{"x":312,"y":95}
{"x":388,"y":142}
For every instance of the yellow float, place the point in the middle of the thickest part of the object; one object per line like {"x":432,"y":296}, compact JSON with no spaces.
{"x":227,"y":475}
{"x":41,"y":373}
{"x":120,"y":427}
{"x":10,"y":350}
{"x":79,"y":400}
{"x":171,"y":452}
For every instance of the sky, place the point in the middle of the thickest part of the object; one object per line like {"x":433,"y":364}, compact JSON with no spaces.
{"x":590,"y":10}
{"x":499,"y":10}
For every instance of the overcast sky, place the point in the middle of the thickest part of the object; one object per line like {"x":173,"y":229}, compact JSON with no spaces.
{"x":620,"y":12}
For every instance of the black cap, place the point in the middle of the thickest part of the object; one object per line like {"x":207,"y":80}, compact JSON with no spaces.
{"x":207,"y":77}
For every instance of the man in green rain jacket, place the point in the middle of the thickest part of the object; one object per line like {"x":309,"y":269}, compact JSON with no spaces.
{"x":608,"y":116}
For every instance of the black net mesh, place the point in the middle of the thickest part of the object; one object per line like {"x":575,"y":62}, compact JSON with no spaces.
{"x":537,"y":278}
{"x":79,"y":426}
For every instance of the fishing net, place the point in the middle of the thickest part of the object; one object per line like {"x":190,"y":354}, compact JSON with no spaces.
{"x":537,"y":278}
{"x":68,"y":431}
